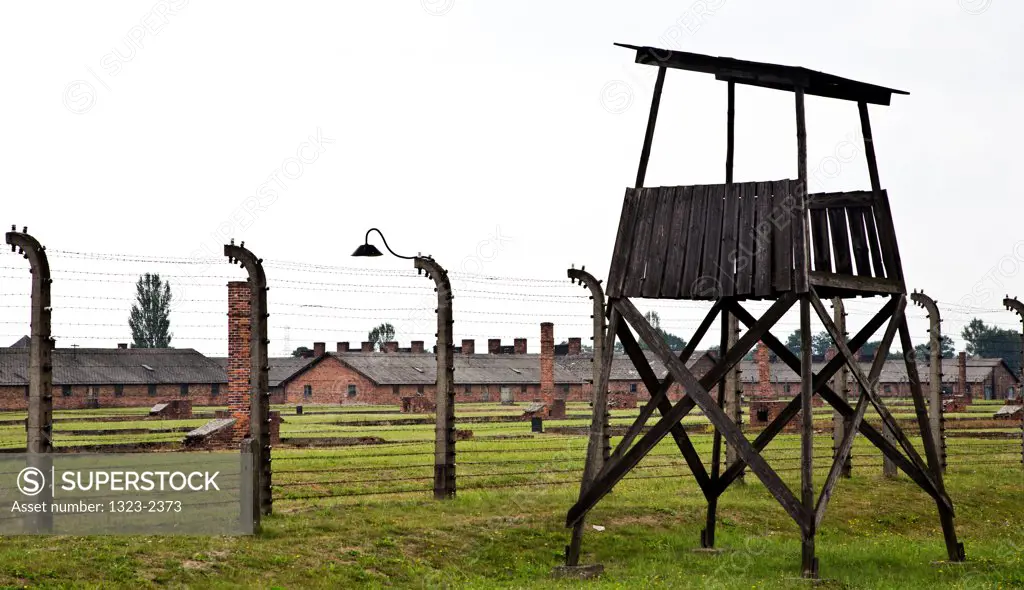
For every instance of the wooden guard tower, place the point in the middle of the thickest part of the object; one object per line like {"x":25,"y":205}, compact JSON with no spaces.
{"x":739,"y":241}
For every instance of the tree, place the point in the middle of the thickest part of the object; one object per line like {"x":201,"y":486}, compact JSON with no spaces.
{"x":674,"y":342}
{"x":993,"y":342}
{"x":381,"y":334}
{"x":946,"y":349}
{"x":820,"y":343}
{"x":150,"y":318}
{"x":301,"y":351}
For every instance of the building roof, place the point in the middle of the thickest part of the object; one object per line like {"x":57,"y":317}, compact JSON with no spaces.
{"x":281,"y":368}
{"x":476,"y":369}
{"x":23,"y":342}
{"x":766,"y":75}
{"x":893,"y":371}
{"x":622,"y":368}
{"x":112,"y":366}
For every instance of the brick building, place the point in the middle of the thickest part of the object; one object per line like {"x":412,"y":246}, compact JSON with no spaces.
{"x":110,"y":377}
{"x":975,"y":377}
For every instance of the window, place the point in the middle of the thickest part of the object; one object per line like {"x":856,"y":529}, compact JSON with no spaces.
{"x":469,"y":389}
{"x":215,"y":390}
{"x":565,"y":388}
{"x":118,"y":390}
{"x":351,"y":390}
{"x":26,"y":392}
{"x":632,"y":387}
{"x":762,"y":415}
{"x":419,"y":389}
{"x":307,"y":391}
{"x":184,"y":389}
{"x":522,"y":389}
{"x":785,"y":388}
{"x":887,"y":388}
{"x":394,"y":389}
{"x":152,"y":389}
{"x":65,"y":390}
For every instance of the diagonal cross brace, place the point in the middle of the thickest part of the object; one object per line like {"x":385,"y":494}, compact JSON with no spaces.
{"x":697,"y":391}
{"x":616,"y":472}
{"x":822,"y":377}
{"x":870,"y":432}
{"x":846,"y":445}
{"x":659,"y":401}
{"x":866,"y":385}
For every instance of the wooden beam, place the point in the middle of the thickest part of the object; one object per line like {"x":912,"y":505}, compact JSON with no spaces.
{"x":809,"y":562}
{"x":800,"y":237}
{"x":730,"y":126}
{"x":854,"y":283}
{"x":652,"y":120}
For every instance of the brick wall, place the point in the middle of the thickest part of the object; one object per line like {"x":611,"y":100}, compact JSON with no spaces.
{"x":12,"y":397}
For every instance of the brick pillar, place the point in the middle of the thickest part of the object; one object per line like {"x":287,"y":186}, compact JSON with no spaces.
{"x":468,"y":346}
{"x":547,"y":362}
{"x":575,"y":346}
{"x":366,"y":347}
{"x":416,"y":346}
{"x":494,"y":346}
{"x":962,"y":381}
{"x":520,"y":345}
{"x":239,"y":364}
{"x":342,"y":347}
{"x":319,"y":348}
{"x":764,"y":373}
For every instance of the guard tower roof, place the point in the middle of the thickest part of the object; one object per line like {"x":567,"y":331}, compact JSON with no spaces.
{"x":766,"y":75}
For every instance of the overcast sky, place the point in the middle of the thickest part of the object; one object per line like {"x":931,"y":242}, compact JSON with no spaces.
{"x":497,"y":136}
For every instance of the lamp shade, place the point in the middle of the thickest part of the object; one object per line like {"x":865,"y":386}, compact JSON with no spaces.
{"x":367,"y":250}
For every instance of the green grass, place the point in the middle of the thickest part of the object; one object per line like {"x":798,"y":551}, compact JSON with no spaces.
{"x":362,"y":517}
{"x":877,"y":534}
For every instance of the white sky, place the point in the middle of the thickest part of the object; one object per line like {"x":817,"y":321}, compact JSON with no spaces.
{"x":447,"y":123}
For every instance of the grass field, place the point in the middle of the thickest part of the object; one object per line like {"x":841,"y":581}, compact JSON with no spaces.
{"x":361,"y":516}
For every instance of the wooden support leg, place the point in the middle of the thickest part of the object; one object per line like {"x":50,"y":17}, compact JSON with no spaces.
{"x":954,"y":548}
{"x":809,"y":562}
{"x":707,"y":536}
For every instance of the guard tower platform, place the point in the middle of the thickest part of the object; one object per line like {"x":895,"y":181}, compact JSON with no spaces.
{"x":769,"y":240}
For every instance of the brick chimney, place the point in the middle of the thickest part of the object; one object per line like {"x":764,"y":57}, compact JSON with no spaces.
{"x":494,"y":346}
{"x":319,"y":348}
{"x":575,"y":345}
{"x":468,"y":346}
{"x":239,"y":365}
{"x":764,"y":373}
{"x":547,"y":362}
{"x":962,"y":366}
{"x":391,"y":346}
{"x":122,"y":346}
{"x":520,"y":345}
{"x":343,"y":347}
{"x":416,"y":346}
{"x":366,"y":347}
